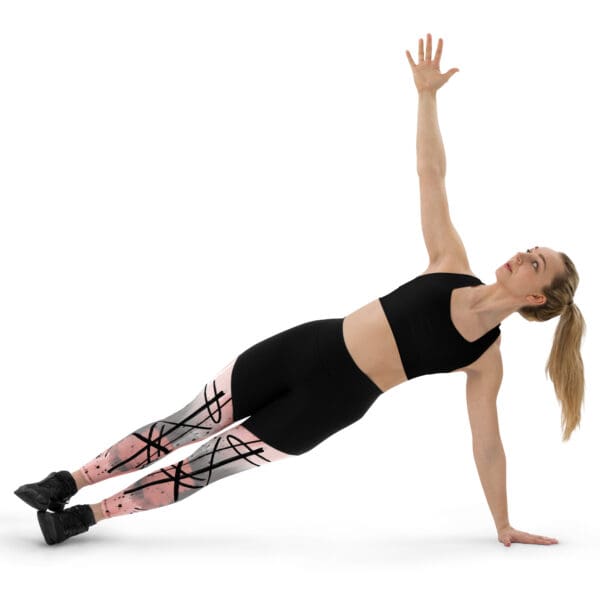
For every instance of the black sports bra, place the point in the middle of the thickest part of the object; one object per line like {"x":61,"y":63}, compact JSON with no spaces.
{"x":419,"y":314}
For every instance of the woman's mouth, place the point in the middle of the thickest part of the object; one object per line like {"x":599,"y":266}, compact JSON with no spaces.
{"x":508,"y":267}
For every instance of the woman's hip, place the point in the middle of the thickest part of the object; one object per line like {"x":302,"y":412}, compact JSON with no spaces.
{"x":312,"y":354}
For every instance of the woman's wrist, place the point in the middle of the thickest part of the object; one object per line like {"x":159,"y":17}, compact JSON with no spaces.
{"x":427,"y":92}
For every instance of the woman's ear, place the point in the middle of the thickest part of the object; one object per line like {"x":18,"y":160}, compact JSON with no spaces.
{"x":537,"y":299}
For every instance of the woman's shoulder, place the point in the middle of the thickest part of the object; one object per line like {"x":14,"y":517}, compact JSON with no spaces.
{"x":490,"y":362}
{"x":451,"y":266}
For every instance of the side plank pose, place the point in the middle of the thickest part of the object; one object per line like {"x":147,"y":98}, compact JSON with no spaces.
{"x":298,"y":387}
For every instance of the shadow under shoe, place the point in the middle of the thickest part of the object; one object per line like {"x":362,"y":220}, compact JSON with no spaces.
{"x":57,"y":527}
{"x":52,"y":492}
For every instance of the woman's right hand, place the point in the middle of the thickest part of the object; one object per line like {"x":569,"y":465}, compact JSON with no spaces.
{"x":427,"y":73}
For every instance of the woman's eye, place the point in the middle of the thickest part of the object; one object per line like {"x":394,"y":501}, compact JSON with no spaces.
{"x":535,"y":262}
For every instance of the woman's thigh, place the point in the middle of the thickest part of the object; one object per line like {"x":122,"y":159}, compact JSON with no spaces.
{"x":273,"y":366}
{"x":334,"y":395}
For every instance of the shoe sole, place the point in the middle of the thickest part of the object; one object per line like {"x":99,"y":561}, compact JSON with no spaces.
{"x":31,"y":496}
{"x":49,"y":528}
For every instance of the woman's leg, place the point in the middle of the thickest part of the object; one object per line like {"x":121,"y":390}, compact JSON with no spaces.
{"x":255,"y":384}
{"x":298,"y":388}
{"x":210,"y":412}
{"x":231,"y":452}
{"x":331,"y":395}
{"x":258,"y":375}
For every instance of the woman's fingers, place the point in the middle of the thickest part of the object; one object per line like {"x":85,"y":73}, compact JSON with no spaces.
{"x":540,"y":539}
{"x":426,"y":55}
{"x":427,"y":73}
{"x":547,"y":540}
{"x":438,"y":53}
{"x":511,"y":535}
{"x":530,"y":538}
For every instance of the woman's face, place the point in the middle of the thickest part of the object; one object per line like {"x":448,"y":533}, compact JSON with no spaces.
{"x":529,"y":272}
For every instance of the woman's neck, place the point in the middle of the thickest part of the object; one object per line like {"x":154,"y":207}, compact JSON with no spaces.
{"x":490,"y":304}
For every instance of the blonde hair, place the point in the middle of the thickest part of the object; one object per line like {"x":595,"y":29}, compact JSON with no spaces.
{"x":564,"y":365}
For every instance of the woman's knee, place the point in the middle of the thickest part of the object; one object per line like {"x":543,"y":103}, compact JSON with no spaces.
{"x":209,"y":412}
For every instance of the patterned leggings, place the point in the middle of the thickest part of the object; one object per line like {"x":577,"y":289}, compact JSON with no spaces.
{"x":296,"y":389}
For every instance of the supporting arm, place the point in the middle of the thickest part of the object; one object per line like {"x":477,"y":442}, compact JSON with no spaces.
{"x":492,"y":473}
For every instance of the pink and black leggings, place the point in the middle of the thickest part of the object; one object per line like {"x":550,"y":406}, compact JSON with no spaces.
{"x":295,"y":389}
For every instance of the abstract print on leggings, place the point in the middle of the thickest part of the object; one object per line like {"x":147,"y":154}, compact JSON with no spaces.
{"x":297,"y":387}
{"x":232,"y":452}
{"x":210,"y":412}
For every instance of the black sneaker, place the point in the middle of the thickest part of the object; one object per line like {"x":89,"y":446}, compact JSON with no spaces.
{"x":52,"y":493}
{"x":57,"y":527}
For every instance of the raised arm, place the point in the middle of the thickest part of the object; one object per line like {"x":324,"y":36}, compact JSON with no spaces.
{"x":428,"y":80}
{"x":441,"y":238}
{"x":431,"y":157}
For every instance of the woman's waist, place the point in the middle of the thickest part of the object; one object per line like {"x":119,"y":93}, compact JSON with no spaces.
{"x":371,"y":343}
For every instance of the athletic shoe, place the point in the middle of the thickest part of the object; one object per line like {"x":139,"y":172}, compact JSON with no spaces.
{"x":57,"y":527}
{"x":52,"y":493}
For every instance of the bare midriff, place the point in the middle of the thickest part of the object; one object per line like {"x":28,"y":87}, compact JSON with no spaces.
{"x":371,"y":344}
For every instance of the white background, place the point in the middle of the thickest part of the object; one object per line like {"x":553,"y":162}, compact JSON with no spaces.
{"x":180,"y":180}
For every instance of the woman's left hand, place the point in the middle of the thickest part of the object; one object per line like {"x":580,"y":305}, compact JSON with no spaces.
{"x":427,"y":73}
{"x":510,"y":534}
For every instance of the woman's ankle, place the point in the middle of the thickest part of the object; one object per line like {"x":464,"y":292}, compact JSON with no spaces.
{"x":98,"y":512}
{"x":79,"y":479}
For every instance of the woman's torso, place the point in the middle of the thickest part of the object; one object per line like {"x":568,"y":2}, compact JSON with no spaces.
{"x":370,"y":341}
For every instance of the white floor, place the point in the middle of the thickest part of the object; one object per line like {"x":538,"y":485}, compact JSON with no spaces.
{"x":228,"y":540}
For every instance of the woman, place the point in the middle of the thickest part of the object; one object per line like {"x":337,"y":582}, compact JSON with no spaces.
{"x":300,"y":386}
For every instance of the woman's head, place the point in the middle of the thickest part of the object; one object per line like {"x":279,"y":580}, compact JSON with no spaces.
{"x":529,"y":272}
{"x":545,"y":280}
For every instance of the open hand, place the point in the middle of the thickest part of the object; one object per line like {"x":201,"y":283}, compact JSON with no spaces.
{"x":509,"y":534}
{"x":427,"y":73}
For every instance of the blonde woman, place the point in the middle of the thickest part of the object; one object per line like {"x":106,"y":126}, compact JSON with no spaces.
{"x":298,"y":387}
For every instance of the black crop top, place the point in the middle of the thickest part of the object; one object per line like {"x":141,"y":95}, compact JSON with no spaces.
{"x":419,"y":315}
